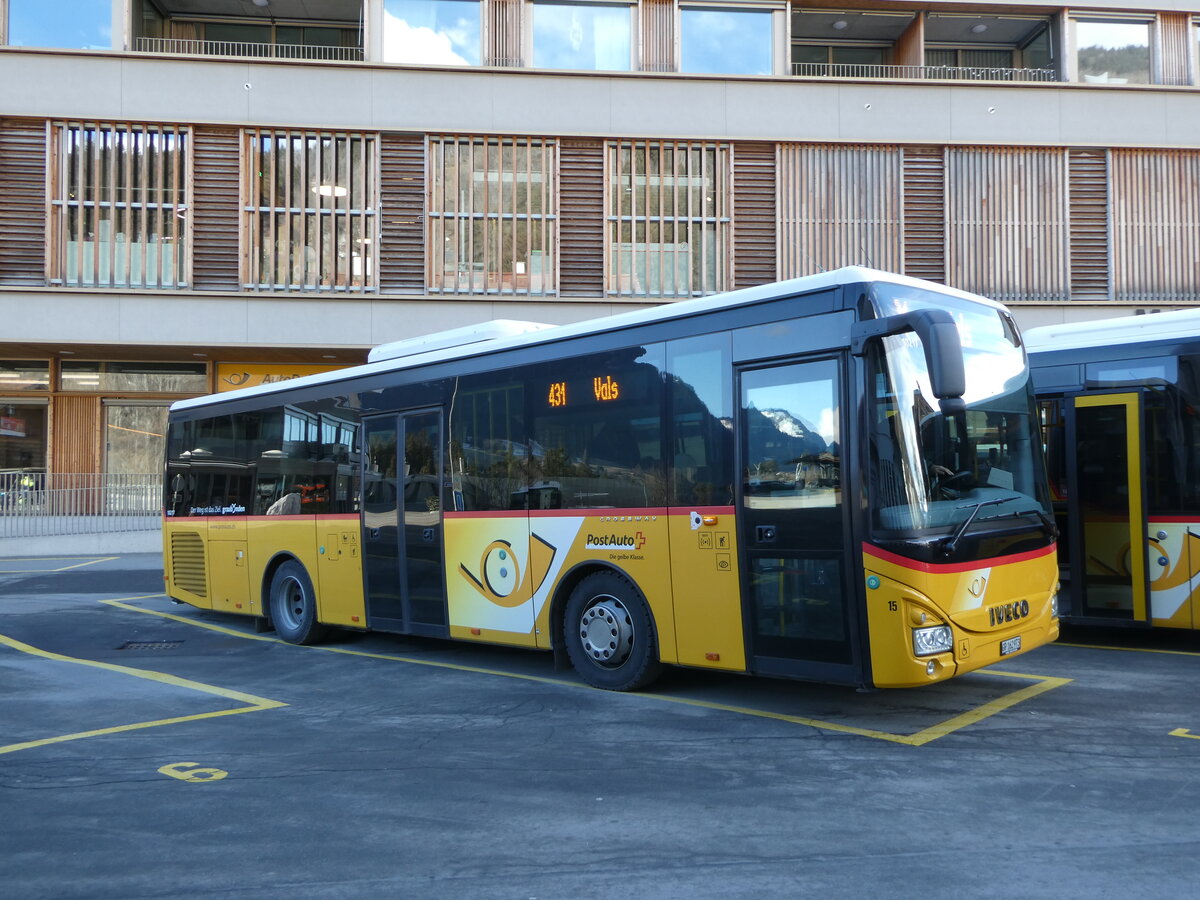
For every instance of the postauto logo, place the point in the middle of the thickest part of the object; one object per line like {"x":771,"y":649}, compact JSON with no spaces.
{"x":615,"y":541}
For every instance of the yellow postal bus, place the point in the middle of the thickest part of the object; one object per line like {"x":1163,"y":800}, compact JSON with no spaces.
{"x":835,"y":478}
{"x":1119,"y":400}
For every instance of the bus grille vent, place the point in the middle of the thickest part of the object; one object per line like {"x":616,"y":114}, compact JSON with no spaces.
{"x":187,"y":562}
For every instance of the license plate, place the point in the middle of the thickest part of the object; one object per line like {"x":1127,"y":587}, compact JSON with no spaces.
{"x":1012,"y":645}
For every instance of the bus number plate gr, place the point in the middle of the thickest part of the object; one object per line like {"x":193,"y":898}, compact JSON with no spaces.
{"x":1012,"y":645}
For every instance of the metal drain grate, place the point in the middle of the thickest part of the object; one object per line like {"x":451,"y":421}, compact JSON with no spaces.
{"x":150,"y":645}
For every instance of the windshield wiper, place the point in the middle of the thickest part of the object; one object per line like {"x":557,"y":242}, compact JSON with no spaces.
{"x":1048,"y":524}
{"x":948,"y":544}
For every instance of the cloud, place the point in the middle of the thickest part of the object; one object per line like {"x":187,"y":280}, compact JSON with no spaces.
{"x":417,"y":44}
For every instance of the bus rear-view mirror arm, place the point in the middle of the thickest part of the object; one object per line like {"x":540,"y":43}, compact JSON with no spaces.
{"x":938,"y":335}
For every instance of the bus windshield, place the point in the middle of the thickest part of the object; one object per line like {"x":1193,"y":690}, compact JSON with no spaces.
{"x":933,"y":473}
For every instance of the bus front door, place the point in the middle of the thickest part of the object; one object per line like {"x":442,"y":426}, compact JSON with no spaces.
{"x":794,"y":532}
{"x":1107,"y":512}
{"x":402,"y":523}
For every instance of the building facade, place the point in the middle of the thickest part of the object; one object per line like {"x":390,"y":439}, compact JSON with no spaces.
{"x":201,"y":194}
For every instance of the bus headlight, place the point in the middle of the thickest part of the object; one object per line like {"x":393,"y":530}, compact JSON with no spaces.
{"x":1054,"y":605}
{"x":938,"y":639}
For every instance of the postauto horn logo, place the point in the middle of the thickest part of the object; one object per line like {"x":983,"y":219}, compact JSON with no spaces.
{"x":500,"y":579}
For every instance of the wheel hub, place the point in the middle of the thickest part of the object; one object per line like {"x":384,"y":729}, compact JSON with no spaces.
{"x":606,"y":632}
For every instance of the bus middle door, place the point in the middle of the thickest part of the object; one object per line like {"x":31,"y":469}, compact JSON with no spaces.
{"x":1107,"y":508}
{"x":402,"y":514}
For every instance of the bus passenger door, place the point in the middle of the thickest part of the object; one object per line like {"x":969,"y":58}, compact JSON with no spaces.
{"x":402,"y":523}
{"x":793,"y":527}
{"x":1108,"y":543}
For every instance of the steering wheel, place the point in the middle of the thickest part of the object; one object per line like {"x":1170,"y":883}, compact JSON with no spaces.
{"x":944,"y":483}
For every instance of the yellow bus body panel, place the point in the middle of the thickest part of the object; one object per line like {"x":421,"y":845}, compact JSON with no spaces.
{"x":708,"y":604}
{"x":223,"y":563}
{"x":499,"y":583}
{"x":339,"y":574}
{"x":984,"y":603}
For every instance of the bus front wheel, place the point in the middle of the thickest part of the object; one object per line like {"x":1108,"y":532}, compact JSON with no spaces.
{"x":294,"y":605}
{"x":609,"y":634}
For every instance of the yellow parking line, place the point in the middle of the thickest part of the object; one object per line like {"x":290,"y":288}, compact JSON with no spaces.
{"x":255,"y":703}
{"x":1043,"y":683}
{"x":87,"y":561}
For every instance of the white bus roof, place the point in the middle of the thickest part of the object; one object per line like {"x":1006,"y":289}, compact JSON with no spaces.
{"x":1121,"y":330}
{"x":458,"y":342}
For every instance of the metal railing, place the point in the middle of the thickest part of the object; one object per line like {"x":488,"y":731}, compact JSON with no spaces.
{"x":39,"y":503}
{"x":899,"y":73}
{"x":184,"y":47}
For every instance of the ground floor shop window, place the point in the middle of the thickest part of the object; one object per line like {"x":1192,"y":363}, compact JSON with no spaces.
{"x":134,"y":438}
{"x":22,"y":437}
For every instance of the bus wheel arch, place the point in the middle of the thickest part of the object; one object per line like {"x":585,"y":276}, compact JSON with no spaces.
{"x":607,"y":629}
{"x":290,"y":601}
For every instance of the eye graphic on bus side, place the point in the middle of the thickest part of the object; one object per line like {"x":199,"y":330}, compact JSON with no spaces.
{"x":500,"y":578}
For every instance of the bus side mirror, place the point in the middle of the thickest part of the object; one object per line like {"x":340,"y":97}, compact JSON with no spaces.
{"x":938,"y":335}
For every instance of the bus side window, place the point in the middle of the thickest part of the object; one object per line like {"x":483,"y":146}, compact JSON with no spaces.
{"x":701,"y":436}
{"x":487,"y":445}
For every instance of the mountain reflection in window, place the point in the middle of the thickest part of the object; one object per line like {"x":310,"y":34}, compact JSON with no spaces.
{"x":792,"y":448}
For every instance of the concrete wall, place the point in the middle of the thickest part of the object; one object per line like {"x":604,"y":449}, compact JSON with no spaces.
{"x":357,"y":96}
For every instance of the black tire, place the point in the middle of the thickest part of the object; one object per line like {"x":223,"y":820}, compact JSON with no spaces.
{"x":294,"y":605}
{"x":609,"y":634}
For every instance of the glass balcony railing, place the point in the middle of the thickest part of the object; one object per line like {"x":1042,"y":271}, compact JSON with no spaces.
{"x":947,"y":73}
{"x":181,"y":47}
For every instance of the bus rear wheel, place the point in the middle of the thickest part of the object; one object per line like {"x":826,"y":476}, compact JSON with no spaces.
{"x":609,"y":634}
{"x":294,"y":605}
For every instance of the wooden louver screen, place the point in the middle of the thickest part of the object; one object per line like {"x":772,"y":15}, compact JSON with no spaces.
{"x":657,"y":36}
{"x":75,"y":444}
{"x":1155,"y":224}
{"x":119,"y":197}
{"x":1007,"y":234}
{"x":504,"y":33}
{"x":492,"y":215}
{"x":581,"y":205}
{"x":402,"y":207}
{"x":1088,"y":186}
{"x":311,"y":210}
{"x":754,"y":232}
{"x":1175,"y":46}
{"x":23,"y":208}
{"x":839,"y":206}
{"x":925,"y":213}
{"x":215,"y":209}
{"x":668,"y":213}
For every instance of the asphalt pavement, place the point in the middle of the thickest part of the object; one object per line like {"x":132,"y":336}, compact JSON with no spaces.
{"x":149,"y":749}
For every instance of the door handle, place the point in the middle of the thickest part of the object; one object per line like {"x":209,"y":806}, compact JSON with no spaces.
{"x":428,"y":534}
{"x":764,"y":534}
{"x":373,"y":533}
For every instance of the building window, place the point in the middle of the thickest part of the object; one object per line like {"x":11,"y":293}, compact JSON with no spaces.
{"x":78,"y":25}
{"x":848,"y":43}
{"x":1113,"y":52}
{"x":24,"y":375}
{"x":135,"y":441}
{"x":668,"y":218}
{"x":120,"y":204}
{"x":126,"y":377}
{"x":492,"y":215}
{"x":980,"y":46}
{"x":22,"y":448}
{"x":725,"y":41}
{"x":582,"y":36}
{"x":436,"y":32}
{"x":311,"y":213}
